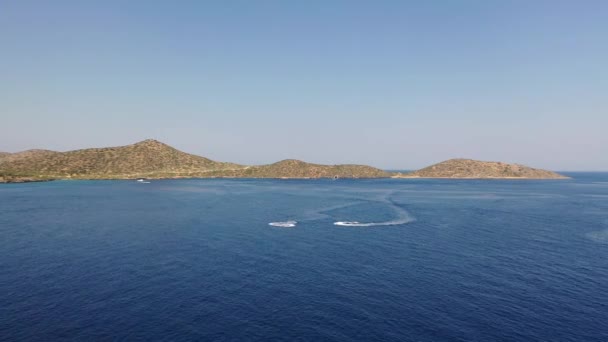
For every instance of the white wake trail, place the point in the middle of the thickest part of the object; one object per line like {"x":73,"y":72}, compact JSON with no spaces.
{"x":403,"y":217}
{"x":285,"y":224}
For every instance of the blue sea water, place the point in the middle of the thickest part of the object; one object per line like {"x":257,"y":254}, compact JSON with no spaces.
{"x":428,"y":260}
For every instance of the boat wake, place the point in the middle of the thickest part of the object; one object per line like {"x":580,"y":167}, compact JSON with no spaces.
{"x":600,"y":236}
{"x":403,"y":217}
{"x":286,"y":224}
{"x":373,"y":224}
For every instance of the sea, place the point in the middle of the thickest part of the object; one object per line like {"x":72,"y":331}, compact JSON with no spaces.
{"x":305,"y":260}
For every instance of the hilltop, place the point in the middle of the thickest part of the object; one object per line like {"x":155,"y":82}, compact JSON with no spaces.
{"x":468,"y":168}
{"x":154,"y":159}
{"x":291,"y":168}
{"x":148,"y":158}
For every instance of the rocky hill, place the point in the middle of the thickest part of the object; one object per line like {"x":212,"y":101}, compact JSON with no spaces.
{"x":468,"y":168}
{"x":153,"y":159}
{"x":4,"y":155}
{"x":292,"y":168}
{"x":25,"y":156}
{"x":149,"y":158}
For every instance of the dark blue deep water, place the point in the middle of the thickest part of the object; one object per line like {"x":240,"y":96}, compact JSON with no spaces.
{"x":429,"y":260}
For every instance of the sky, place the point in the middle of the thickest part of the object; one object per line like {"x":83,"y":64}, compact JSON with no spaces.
{"x":393,"y":84}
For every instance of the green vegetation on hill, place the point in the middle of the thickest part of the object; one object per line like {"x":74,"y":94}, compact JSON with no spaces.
{"x":26,"y":156}
{"x":21,"y":179}
{"x":468,"y":168}
{"x":4,"y":155}
{"x":298,"y":169}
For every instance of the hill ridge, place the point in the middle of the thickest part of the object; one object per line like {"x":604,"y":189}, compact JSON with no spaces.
{"x":471,"y":168}
{"x":151,"y":158}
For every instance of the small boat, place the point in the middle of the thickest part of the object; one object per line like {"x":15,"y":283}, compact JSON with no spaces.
{"x":286,"y":224}
{"x":141,"y":180}
{"x":349,"y":223}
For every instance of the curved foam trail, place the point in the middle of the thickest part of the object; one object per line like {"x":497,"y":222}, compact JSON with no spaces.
{"x":372,"y":224}
{"x":318,"y":214}
{"x":403,"y":218}
{"x":286,"y":224}
{"x":600,"y":236}
{"x":347,"y":223}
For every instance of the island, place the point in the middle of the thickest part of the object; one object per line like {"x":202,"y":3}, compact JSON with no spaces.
{"x":475,"y":169}
{"x":152,"y":159}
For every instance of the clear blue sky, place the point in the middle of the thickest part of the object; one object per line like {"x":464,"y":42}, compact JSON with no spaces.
{"x":394,"y":84}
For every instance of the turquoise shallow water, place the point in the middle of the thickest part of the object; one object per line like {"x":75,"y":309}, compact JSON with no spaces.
{"x":429,"y":260}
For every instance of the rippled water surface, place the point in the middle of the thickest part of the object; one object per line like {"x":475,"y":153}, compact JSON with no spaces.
{"x":346,"y":260}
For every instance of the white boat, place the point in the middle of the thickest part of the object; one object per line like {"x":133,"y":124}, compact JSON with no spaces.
{"x":349,"y":223}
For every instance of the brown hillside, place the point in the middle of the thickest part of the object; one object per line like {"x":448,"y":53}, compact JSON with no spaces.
{"x":468,"y":168}
{"x":25,"y":155}
{"x":149,"y":158}
{"x":153,"y":159}
{"x":292,"y":168}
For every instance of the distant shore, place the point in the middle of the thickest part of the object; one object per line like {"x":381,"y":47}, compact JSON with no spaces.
{"x":153,"y":159}
{"x":18,"y":180}
{"x":10,"y":180}
{"x":480,"y":178}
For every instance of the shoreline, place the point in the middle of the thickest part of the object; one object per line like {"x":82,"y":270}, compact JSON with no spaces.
{"x":22,"y":180}
{"x":473,"y":178}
